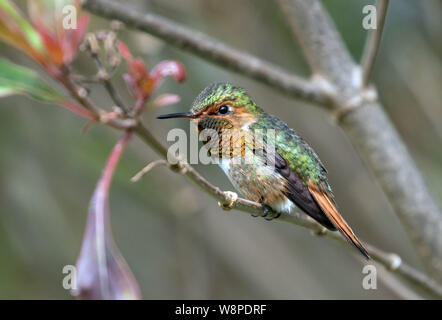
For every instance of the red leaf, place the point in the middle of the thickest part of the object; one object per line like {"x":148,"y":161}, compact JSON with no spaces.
{"x":102,"y":272}
{"x":139,"y":70}
{"x":124,"y":50}
{"x":73,"y":38}
{"x":16,"y":31}
{"x":165,"y":100}
{"x":168,"y":68}
{"x":141,"y":82}
{"x":52,"y":45}
{"x":61,"y":43}
{"x":130,"y":83}
{"x":160,"y":101}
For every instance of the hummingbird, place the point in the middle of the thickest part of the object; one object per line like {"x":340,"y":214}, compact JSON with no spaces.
{"x":296,"y":178}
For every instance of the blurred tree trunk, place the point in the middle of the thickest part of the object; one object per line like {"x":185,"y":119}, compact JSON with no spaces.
{"x":369,"y":129}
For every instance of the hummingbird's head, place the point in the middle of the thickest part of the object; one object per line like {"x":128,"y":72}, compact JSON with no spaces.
{"x":220,"y":106}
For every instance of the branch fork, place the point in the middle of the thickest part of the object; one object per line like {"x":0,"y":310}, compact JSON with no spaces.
{"x":366,"y":97}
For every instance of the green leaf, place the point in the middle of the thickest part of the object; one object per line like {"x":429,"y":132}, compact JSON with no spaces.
{"x":6,"y":92}
{"x":31,"y":35}
{"x":15,"y":79}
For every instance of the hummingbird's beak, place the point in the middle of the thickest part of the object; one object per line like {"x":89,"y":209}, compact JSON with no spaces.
{"x":177,"y":115}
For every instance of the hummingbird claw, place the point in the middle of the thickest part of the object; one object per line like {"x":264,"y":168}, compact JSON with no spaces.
{"x":269,"y":214}
{"x":266,"y":211}
{"x":274,"y":217}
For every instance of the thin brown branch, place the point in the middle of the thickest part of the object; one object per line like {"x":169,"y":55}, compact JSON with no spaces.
{"x":78,"y":93}
{"x":147,"y":168}
{"x":103,"y":76}
{"x":373,"y":42}
{"x":81,"y":95}
{"x":210,"y":49}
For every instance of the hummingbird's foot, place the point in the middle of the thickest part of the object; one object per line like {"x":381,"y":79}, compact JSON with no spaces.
{"x":269,"y":214}
{"x":266,"y":209}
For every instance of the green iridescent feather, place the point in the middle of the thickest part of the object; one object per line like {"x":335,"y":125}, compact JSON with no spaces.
{"x":218,"y":93}
{"x":301,"y":158}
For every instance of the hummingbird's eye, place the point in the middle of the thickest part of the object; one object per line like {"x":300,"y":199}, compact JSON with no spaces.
{"x":223,"y":109}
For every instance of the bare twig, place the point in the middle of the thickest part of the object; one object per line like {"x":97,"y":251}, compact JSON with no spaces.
{"x":104,"y":77}
{"x":373,"y":42}
{"x":81,"y":95}
{"x":370,"y":130}
{"x":147,"y":168}
{"x":210,"y":49}
{"x":78,"y":93}
{"x":103,"y":74}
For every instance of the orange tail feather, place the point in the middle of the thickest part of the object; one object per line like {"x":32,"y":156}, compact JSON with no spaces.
{"x":329,"y":208}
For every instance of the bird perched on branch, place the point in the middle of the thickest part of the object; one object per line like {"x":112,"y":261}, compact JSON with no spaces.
{"x":275,"y":167}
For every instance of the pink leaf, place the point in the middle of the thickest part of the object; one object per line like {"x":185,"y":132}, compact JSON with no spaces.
{"x":160,"y":101}
{"x":52,"y":45}
{"x":168,"y":68}
{"x":73,"y":38}
{"x":102,"y":272}
{"x":131,"y":85}
{"x":165,"y":100}
{"x":141,"y":82}
{"x":124,"y":50}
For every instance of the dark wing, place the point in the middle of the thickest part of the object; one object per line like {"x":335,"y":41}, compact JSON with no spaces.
{"x":299,"y":193}
{"x":318,"y":203}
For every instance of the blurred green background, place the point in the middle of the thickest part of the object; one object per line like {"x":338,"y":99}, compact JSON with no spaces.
{"x":179,"y":244}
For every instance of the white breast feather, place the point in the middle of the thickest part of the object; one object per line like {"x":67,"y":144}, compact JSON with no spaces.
{"x":284,"y":205}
